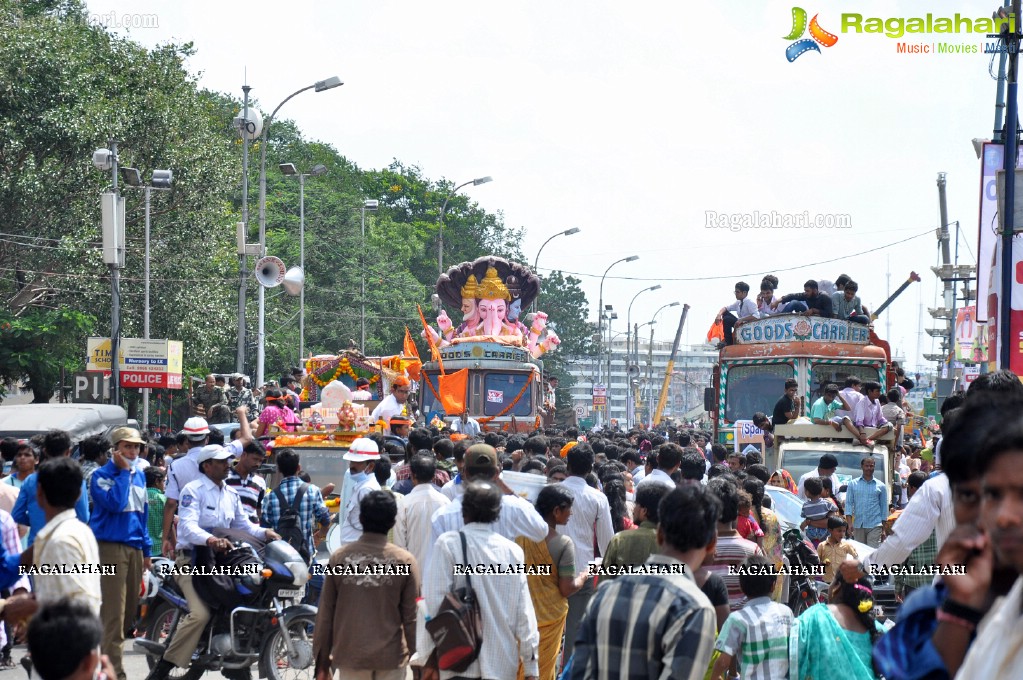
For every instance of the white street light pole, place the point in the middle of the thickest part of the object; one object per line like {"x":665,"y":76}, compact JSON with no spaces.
{"x":536,"y":262}
{"x":319,"y":86}
{"x":440,"y":218}
{"x":371,"y":205}
{"x":600,"y":311}
{"x":161,"y":181}
{"x":289,"y":169}
{"x":628,"y":353}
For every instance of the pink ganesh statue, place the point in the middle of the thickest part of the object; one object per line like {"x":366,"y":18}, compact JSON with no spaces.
{"x":486,"y":302}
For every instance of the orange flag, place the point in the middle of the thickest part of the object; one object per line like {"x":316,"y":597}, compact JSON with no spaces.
{"x":429,"y":338}
{"x":452,"y":388}
{"x":409,"y":349}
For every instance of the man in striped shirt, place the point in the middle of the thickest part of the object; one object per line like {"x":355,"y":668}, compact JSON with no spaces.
{"x":251,"y":487}
{"x":658,"y":624}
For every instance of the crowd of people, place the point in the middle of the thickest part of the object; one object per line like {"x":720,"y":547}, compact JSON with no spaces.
{"x":645,"y":554}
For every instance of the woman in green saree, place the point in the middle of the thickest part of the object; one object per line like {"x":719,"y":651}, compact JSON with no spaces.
{"x":834,"y":641}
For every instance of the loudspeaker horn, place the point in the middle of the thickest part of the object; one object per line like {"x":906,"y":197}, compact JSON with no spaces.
{"x":294,"y":280}
{"x":270,"y":271}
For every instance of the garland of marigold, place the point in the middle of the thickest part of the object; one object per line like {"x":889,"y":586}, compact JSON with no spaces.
{"x":343,"y":367}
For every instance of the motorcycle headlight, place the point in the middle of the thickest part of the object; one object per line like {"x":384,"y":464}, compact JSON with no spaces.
{"x":300,"y":571}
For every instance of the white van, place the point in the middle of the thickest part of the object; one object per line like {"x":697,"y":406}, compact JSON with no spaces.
{"x":79,"y":420}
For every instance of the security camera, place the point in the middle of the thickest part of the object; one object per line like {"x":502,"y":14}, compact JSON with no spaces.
{"x":103,"y":159}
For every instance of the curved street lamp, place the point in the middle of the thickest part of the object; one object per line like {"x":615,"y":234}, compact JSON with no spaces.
{"x":440,"y":218}
{"x":536,"y":262}
{"x":319,"y":86}
{"x":600,"y":306}
{"x":629,"y":349}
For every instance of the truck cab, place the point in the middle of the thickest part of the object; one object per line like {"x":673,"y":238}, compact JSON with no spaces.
{"x":798,"y":448}
{"x":750,"y":375}
{"x":502,"y":388}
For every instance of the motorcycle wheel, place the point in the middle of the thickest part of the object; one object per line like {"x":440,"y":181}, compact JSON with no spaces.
{"x":800,"y":602}
{"x":275,"y":652}
{"x":162,"y":622}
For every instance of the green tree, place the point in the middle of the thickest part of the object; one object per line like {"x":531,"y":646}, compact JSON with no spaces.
{"x":564,"y":302}
{"x":36,"y":346}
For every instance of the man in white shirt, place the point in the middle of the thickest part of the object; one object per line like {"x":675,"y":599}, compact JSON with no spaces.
{"x":207,"y":504}
{"x":393,"y":404}
{"x":669,"y":457}
{"x":64,"y":539}
{"x":506,"y":609}
{"x":743,"y":308}
{"x":412,"y":527}
{"x":591,"y":514}
{"x":362,"y":392}
{"x":826,"y":467}
{"x":466,"y":425}
{"x":361,"y":457}
{"x":518,"y":517}
{"x":850,"y":396}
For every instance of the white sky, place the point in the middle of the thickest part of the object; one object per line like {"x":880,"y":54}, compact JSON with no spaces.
{"x":630,"y":121}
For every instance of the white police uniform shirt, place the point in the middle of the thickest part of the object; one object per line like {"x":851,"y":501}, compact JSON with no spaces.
{"x":351,"y":527}
{"x":205,"y":506}
{"x":185,"y":469}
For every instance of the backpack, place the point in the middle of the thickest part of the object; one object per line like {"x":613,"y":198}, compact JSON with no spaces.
{"x":290,"y":524}
{"x":457,"y":629}
{"x":225,"y":591}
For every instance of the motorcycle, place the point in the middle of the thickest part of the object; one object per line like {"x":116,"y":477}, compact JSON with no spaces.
{"x":804,"y":590}
{"x":269,"y":629}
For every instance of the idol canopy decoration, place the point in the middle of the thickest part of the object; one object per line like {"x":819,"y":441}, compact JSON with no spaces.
{"x":491,"y":294}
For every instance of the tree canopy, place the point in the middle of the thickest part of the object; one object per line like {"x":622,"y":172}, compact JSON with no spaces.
{"x":68,"y":88}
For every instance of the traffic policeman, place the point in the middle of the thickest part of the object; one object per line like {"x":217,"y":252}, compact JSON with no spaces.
{"x":206,"y":504}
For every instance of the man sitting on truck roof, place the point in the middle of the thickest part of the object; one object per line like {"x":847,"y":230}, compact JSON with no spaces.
{"x":742,"y":308}
{"x":846,"y":304}
{"x":811,"y":302}
{"x":868,"y":414}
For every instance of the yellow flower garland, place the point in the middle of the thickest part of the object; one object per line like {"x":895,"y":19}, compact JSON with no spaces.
{"x":343,"y":367}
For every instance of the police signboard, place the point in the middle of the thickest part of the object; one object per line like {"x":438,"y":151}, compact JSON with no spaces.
{"x":801,"y":328}
{"x":142,"y":363}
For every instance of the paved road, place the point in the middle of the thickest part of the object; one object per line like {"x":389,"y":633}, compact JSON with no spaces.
{"x":135,"y":666}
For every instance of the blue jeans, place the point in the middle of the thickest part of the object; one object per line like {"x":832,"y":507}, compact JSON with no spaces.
{"x":794,"y":306}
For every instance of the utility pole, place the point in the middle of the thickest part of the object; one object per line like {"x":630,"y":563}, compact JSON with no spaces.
{"x":243,"y":259}
{"x":115,"y":292}
{"x":1005,"y":300}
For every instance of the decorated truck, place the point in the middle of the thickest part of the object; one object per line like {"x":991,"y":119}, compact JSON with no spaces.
{"x":488,"y":365}
{"x":750,"y":374}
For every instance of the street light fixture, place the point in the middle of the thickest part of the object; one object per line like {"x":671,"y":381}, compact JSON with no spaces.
{"x":536,"y":262}
{"x":289,"y":169}
{"x":319,"y":86}
{"x":370,"y":204}
{"x":161,"y":181}
{"x":440,"y":218}
{"x":628,"y":354}
{"x":600,"y":305}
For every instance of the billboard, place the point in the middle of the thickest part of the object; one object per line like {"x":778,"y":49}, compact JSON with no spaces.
{"x":971,"y":336}
{"x":992,"y":160}
{"x":993,"y":306}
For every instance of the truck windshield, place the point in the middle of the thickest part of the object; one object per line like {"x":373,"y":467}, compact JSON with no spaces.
{"x":799,"y":462}
{"x":822,"y":374}
{"x":429,"y":401}
{"x":754,"y":388}
{"x":501,"y":389}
